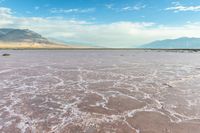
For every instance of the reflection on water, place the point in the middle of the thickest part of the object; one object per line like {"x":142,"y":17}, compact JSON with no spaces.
{"x":100,"y":91}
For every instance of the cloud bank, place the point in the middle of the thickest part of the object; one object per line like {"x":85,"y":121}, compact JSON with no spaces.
{"x":73,"y":10}
{"x":184,"y":8}
{"x":117,"y":34}
{"x":129,"y":8}
{"x":178,"y":7}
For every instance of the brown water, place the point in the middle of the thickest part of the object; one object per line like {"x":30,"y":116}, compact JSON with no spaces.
{"x":99,"y":91}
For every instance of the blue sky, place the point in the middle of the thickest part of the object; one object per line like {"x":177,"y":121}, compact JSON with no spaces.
{"x":107,"y":23}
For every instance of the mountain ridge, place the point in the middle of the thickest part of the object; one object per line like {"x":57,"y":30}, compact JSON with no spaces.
{"x":21,"y":35}
{"x":25,"y":38}
{"x":182,"y":43}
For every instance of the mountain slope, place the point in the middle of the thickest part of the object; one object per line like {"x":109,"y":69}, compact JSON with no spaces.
{"x":24,"y":38}
{"x":19,"y":35}
{"x":182,"y":43}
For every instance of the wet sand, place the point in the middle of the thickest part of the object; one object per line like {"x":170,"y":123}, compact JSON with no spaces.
{"x":91,"y":91}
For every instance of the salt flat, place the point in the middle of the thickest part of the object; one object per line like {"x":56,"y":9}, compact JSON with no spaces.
{"x":119,"y":91}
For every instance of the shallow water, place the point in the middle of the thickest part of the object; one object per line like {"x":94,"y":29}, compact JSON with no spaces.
{"x":124,"y":91}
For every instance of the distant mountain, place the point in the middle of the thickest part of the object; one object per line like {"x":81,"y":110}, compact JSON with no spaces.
{"x":21,"y":35}
{"x":25,"y":38}
{"x":75,"y":43}
{"x":182,"y":43}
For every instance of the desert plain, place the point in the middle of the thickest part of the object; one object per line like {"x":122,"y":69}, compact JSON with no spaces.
{"x":99,"y":91}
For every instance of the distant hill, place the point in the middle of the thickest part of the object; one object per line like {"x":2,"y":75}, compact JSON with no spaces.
{"x":21,"y":35}
{"x":182,"y":43}
{"x":25,"y":38}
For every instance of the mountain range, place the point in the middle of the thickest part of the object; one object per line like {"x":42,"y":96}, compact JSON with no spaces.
{"x":179,"y":43}
{"x":25,"y":38}
{"x":19,"y":35}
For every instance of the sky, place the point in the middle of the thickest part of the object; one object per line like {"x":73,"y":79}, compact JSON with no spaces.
{"x":104,"y":23}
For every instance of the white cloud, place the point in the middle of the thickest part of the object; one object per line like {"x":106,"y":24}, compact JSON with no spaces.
{"x":5,"y":11}
{"x":179,"y":8}
{"x":109,"y":6}
{"x":5,"y":15}
{"x":133,"y":8}
{"x":176,"y":3}
{"x":74,"y":10}
{"x":136,"y":7}
{"x":118,"y":34}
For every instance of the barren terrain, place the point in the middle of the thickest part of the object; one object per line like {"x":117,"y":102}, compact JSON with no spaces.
{"x":91,"y":91}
